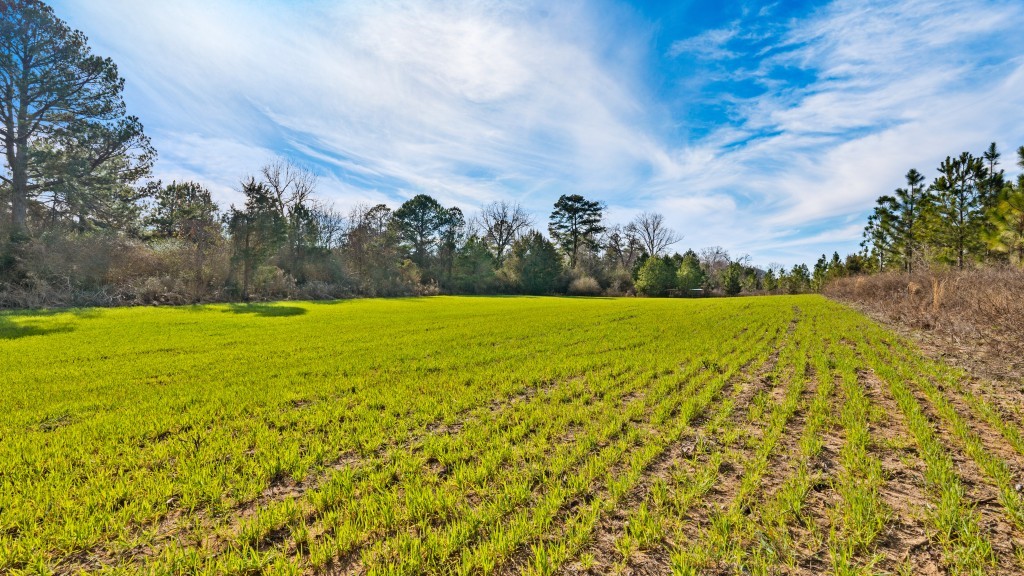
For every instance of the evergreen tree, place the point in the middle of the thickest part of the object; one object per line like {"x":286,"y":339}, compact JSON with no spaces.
{"x":820,"y":274}
{"x":1006,"y":220}
{"x":690,"y":275}
{"x":656,"y":277}
{"x":257,"y":231}
{"x":575,"y":224}
{"x":991,"y":185}
{"x":798,"y":280}
{"x":878,"y":243}
{"x":856,"y":264}
{"x":474,"y":268}
{"x":65,"y":129}
{"x":895,"y":228}
{"x":958,"y":219}
{"x":175,"y":210}
{"x":302,"y":241}
{"x":752,"y":281}
{"x":732,"y":278}
{"x":770,"y":282}
{"x":535,"y":264}
{"x":419,"y":221}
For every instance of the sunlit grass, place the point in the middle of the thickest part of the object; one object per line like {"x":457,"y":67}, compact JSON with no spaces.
{"x":462,"y":436}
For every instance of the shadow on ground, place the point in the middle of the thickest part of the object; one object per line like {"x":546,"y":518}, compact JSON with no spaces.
{"x":265,"y":310}
{"x":21,"y":324}
{"x":11,"y":330}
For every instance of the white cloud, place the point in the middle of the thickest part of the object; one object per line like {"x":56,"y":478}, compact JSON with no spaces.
{"x":462,"y":101}
{"x":219,"y":163}
{"x":476,"y":100}
{"x":897,"y":85}
{"x":711,"y":44}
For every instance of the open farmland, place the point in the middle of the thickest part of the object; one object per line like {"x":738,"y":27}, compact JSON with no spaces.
{"x":499,"y":436}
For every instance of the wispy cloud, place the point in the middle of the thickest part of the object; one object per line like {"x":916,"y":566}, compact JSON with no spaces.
{"x":711,"y":44}
{"x":468,"y":102}
{"x":475,"y":100}
{"x":895,"y":85}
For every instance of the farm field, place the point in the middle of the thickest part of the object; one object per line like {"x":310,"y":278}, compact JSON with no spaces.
{"x":461,"y":435}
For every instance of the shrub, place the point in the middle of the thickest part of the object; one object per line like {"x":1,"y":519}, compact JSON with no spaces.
{"x":584,"y":286}
{"x":655,"y":278}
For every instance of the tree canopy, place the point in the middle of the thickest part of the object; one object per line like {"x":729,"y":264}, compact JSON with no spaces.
{"x":70,"y":147}
{"x":969,"y":214}
{"x":575,"y":224}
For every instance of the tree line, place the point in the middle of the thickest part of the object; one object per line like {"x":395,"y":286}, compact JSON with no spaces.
{"x":969,"y":215}
{"x":173,"y":242}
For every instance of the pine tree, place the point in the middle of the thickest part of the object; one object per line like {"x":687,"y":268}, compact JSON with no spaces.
{"x":65,"y":129}
{"x":575,"y":224}
{"x":958,"y":215}
{"x":690,"y":275}
{"x":895,"y":228}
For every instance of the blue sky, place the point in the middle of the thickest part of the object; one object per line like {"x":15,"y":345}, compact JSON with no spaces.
{"x":767,"y":128}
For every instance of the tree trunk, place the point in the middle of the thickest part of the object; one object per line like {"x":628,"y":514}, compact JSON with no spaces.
{"x":200,"y":283}
{"x":17,"y":153}
{"x":246,"y":272}
{"x":19,"y":195}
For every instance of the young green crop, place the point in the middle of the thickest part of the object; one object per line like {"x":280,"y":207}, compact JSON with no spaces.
{"x":476,"y":436}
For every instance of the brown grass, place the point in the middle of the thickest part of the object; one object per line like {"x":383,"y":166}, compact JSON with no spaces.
{"x":972,"y":317}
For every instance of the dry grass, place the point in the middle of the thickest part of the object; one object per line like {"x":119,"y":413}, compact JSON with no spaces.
{"x":973,"y":317}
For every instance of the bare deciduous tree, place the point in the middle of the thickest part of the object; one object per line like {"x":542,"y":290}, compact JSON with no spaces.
{"x":291,"y":185}
{"x":503,"y":222}
{"x":330,"y":226}
{"x":370,"y":248}
{"x":714,"y":258}
{"x":653,"y":234}
{"x":622,"y":246}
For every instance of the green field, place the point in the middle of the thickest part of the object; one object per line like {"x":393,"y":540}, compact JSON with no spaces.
{"x":498,"y":436}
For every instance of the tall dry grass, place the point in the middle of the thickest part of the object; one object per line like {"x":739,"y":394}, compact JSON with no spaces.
{"x":965,"y":312}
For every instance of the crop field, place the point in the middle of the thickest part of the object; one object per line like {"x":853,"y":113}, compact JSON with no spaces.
{"x":774,"y":435}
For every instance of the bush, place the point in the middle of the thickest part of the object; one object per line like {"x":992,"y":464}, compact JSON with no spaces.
{"x":584,"y":286}
{"x":620,"y":283}
{"x":655,"y":278}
